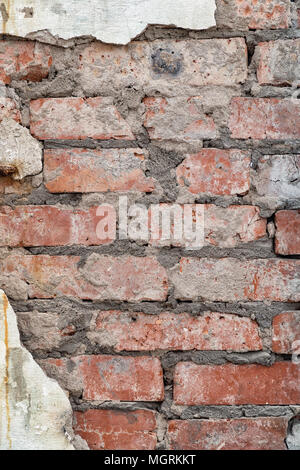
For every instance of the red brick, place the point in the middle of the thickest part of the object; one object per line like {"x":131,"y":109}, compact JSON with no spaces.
{"x":253,"y":14}
{"x":9,"y":109}
{"x":80,"y":170}
{"x":231,"y":279}
{"x":285,"y":332}
{"x":113,"y":378}
{"x":116,"y":429}
{"x":101,"y":278}
{"x":140,"y":332}
{"x":231,"y":384}
{"x":228,"y":434}
{"x":278,"y":62}
{"x":216,"y":172}
{"x":121,"y":378}
{"x":33,"y":226}
{"x":24,"y":60}
{"x":77,"y":118}
{"x":278,"y":119}
{"x":287,"y":239}
{"x":178,"y":119}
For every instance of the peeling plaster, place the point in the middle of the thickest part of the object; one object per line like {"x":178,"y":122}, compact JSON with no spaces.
{"x":111,"y":21}
{"x":20,"y":153}
{"x":35,"y":413}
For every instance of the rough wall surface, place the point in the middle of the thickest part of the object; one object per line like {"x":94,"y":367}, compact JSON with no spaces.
{"x":157,"y":345}
{"x":34,"y":411}
{"x":113,"y":21}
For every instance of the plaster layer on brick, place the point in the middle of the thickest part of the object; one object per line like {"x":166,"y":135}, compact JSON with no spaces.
{"x":34,"y":410}
{"x":116,"y":21}
{"x":20,"y":153}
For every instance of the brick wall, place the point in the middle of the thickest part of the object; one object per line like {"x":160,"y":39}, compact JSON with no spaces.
{"x":159,"y":346}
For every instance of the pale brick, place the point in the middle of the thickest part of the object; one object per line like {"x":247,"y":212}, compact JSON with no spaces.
{"x":128,"y":331}
{"x":232,"y":280}
{"x":77,"y":118}
{"x":216,"y":172}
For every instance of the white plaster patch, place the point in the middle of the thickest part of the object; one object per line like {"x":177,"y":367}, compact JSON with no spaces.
{"x":111,"y":21}
{"x":20,"y":153}
{"x":34,"y":410}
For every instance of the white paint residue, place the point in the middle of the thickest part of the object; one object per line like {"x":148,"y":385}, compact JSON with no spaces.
{"x":113,"y":21}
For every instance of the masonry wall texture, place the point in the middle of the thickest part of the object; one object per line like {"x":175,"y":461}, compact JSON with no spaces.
{"x":156,"y":345}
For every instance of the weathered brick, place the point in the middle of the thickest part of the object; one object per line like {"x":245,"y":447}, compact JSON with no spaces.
{"x":116,"y":429}
{"x":114,"y":378}
{"x":253,"y":14}
{"x":24,"y":60}
{"x":178,"y":119}
{"x":231,"y":384}
{"x":80,"y":170}
{"x":216,"y":172}
{"x":278,"y":119}
{"x":230,"y":279}
{"x":287,"y":238}
{"x":77,"y":118}
{"x":127,"y":331}
{"x":278,"y":62}
{"x":285,"y":332}
{"x":9,"y":109}
{"x":101,"y":278}
{"x":228,"y":434}
{"x":33,"y":226}
{"x":277,"y":178}
{"x":188,"y":64}
{"x":223,"y":227}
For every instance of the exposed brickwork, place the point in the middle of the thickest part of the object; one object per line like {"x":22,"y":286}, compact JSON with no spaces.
{"x":86,"y":171}
{"x":233,"y":280}
{"x":216,"y":172}
{"x":236,"y":385}
{"x":181,"y":120}
{"x":206,"y":62}
{"x":223,"y":227}
{"x":117,"y":430}
{"x":273,"y":59}
{"x":287,"y":241}
{"x":278,"y":119}
{"x":140,"y":332}
{"x":229,"y":434}
{"x":77,"y":118}
{"x":254,"y":14}
{"x":112,"y":378}
{"x":33,"y":226}
{"x":161,"y":344}
{"x":102,"y":277}
{"x":286,"y":332}
{"x":20,"y":60}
